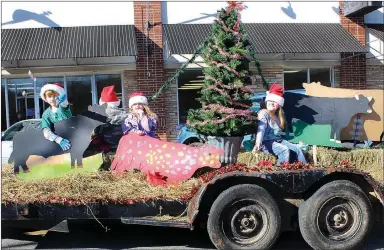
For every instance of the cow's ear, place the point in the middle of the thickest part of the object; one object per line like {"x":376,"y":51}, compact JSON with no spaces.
{"x":369,"y":98}
{"x":357,"y":97}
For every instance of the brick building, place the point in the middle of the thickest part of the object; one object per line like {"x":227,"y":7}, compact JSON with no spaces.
{"x":139,"y":45}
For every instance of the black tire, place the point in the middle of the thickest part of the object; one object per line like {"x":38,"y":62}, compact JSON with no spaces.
{"x":337,"y":216}
{"x":244,"y":217}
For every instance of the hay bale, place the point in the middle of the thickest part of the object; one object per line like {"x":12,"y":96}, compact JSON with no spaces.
{"x":249,"y":158}
{"x":358,"y":157}
{"x":367,"y":160}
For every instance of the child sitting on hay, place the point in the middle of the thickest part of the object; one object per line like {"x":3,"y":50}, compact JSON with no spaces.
{"x":271,"y":123}
{"x":54,"y":95}
{"x":141,"y":119}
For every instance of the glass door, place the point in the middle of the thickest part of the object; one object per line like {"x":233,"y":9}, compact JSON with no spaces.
{"x":21,"y":99}
{"x":26,"y":106}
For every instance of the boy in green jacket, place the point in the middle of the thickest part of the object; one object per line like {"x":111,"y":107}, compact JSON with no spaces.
{"x":54,"y":95}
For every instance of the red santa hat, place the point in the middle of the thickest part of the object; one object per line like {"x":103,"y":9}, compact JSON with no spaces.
{"x":108,"y":95}
{"x":275,"y":94}
{"x":57,"y":87}
{"x":137,"y":97}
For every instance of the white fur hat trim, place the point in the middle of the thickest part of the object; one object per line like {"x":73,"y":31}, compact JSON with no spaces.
{"x":110,"y":104}
{"x":137,"y":99}
{"x":275,"y":98}
{"x":53,"y":87}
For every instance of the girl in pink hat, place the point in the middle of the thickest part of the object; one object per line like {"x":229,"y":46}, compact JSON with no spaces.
{"x":270,"y":126}
{"x":54,"y":95}
{"x":141,"y":119}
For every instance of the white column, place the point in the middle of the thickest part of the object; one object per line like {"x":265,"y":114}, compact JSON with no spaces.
{"x":65,"y":85}
{"x":177,"y":101}
{"x":26,"y":104}
{"x":36,"y":97}
{"x":94,"y":89}
{"x":122,"y":89}
{"x":6,"y":102}
{"x":332,"y":77}
{"x":17,"y":103}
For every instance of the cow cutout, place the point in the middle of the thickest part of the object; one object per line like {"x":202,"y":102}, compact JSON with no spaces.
{"x":336,"y":112}
{"x":77,"y":130}
{"x":372,"y":124}
{"x":172,"y":162}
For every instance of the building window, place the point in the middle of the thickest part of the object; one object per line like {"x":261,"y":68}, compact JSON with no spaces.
{"x":108,"y":80}
{"x":189,"y":87}
{"x":322,"y":75}
{"x":295,"y":77}
{"x":79,"y":91}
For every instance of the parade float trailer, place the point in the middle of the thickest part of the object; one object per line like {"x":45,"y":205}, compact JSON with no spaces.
{"x":334,"y":201}
{"x":242,"y":206}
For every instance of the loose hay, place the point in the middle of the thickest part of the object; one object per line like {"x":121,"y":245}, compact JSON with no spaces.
{"x":90,"y":187}
{"x":169,"y":218}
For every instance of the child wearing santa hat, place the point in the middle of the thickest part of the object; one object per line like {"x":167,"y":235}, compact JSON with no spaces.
{"x":270,"y":126}
{"x":54,"y":95}
{"x":141,"y":119}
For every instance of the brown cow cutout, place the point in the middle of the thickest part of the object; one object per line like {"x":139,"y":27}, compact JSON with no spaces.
{"x":373,"y":123}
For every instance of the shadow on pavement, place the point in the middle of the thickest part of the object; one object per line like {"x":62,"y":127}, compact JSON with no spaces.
{"x":119,"y":236}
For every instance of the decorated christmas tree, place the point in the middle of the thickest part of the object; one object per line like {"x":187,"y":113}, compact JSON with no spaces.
{"x":225,"y":97}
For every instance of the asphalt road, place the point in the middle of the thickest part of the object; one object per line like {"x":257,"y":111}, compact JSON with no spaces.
{"x":87,"y":236}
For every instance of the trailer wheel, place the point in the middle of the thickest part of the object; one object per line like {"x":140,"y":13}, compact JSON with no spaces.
{"x":337,"y":216}
{"x":244,"y":217}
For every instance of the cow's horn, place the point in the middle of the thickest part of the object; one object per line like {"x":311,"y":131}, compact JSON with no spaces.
{"x":369,"y":98}
{"x":369,"y":111}
{"x":357,"y":97}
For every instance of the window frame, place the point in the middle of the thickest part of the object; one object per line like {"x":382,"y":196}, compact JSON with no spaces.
{"x":331,"y":74}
